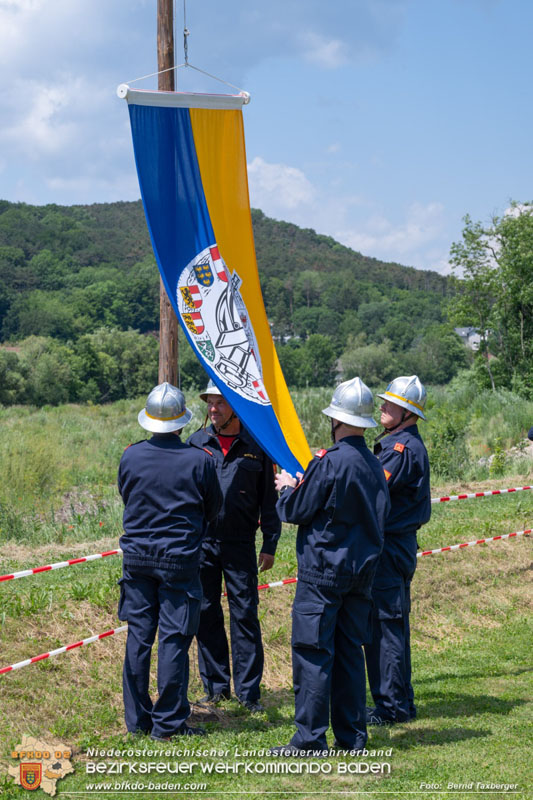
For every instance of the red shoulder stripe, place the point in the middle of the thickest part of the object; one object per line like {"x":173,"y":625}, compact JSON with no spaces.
{"x":399,"y":447}
{"x":321,"y":453}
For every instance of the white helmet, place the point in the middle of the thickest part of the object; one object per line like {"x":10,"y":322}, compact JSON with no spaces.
{"x":352,"y":403}
{"x":211,"y":388}
{"x":407,"y":392}
{"x":165,"y":410}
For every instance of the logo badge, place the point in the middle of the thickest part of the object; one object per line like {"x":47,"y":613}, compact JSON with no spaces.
{"x":40,"y":765}
{"x":31,"y":775}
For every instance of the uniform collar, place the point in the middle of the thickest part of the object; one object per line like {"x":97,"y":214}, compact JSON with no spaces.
{"x":166,"y":440}
{"x":410,"y":429}
{"x":212,"y":434}
{"x":353,"y":441}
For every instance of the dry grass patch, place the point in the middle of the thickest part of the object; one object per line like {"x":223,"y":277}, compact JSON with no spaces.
{"x":25,"y":555}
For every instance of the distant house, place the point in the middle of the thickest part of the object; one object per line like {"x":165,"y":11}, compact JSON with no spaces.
{"x":470,"y":337}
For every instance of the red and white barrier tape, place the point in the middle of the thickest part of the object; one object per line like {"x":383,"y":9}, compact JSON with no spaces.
{"x":58,"y":565}
{"x":283,"y":582}
{"x":65,"y":649}
{"x":424,"y":553}
{"x":478,"y":494}
{"x":470,"y":544}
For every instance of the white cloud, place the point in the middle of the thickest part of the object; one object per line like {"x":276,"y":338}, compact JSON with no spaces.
{"x":46,"y":118}
{"x":420,"y":240}
{"x":518,"y":209}
{"x":36,"y":127}
{"x":278,"y":187}
{"x":111,"y":189}
{"x":378,"y":236}
{"x":285,"y":192}
{"x":326,"y":52}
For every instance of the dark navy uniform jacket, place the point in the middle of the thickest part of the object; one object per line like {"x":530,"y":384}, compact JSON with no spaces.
{"x":169,"y":491}
{"x":246,"y":477}
{"x":340,"y":506}
{"x":405,"y":462}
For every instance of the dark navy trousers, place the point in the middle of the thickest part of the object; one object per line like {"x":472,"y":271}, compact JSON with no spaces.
{"x":388,"y":656}
{"x":152,"y":599}
{"x":329,"y":625}
{"x":236,"y":561}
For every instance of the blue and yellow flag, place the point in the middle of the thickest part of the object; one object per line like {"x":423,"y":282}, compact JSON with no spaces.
{"x":191,"y":164}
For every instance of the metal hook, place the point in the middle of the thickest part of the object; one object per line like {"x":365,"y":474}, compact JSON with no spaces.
{"x":185,"y":45}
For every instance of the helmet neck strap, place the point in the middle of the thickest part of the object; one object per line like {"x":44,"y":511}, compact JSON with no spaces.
{"x":225,"y":424}
{"x":403,"y":423}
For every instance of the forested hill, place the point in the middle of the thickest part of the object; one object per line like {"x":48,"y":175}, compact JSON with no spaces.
{"x":59,"y":250}
{"x":69,"y":272}
{"x":277,"y":241}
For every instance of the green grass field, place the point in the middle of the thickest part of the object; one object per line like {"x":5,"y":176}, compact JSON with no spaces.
{"x":470,"y":628}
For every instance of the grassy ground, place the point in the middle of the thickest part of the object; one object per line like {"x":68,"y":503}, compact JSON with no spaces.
{"x":471,"y":637}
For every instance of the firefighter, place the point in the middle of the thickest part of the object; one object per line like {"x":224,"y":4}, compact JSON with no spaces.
{"x":246,"y":476}
{"x":340,"y":506}
{"x":169,"y":491}
{"x":404,"y":459}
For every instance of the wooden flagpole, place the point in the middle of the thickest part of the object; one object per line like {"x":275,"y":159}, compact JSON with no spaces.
{"x":168,"y":323}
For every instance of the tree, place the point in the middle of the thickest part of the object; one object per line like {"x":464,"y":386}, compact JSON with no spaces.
{"x":290,"y":358}
{"x":437,"y":355}
{"x":317,"y":366}
{"x":11,"y":378}
{"x":475,"y":302}
{"x":496,"y":290}
{"x":50,"y":370}
{"x":373,"y":363}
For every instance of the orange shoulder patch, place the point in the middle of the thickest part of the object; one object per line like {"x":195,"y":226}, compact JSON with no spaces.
{"x":399,"y":447}
{"x":321,"y":453}
{"x":387,"y":474}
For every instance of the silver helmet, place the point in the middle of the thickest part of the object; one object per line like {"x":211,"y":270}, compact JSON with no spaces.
{"x":352,"y":403}
{"x":165,"y":410}
{"x":211,"y":388}
{"x":407,"y":392}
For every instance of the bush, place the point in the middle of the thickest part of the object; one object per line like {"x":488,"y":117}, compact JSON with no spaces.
{"x":49,"y":367}
{"x":12,"y":380}
{"x":373,"y":363}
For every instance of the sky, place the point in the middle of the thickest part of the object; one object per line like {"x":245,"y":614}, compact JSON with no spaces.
{"x":380,"y":123}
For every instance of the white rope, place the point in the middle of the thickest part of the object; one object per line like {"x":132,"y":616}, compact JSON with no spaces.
{"x":190,"y":66}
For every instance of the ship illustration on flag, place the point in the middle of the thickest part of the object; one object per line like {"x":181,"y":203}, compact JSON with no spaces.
{"x":225,"y":330}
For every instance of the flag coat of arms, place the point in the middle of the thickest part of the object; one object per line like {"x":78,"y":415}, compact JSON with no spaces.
{"x":31,"y":775}
{"x":191,"y":163}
